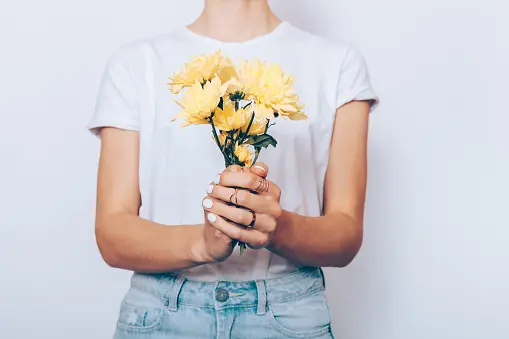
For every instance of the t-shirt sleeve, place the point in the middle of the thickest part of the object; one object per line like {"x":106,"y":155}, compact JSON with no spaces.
{"x":117,"y":99}
{"x":354,"y":82}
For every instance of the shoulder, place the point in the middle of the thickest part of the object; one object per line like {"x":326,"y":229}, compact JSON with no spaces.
{"x":333,"y":52}
{"x":136,"y":53}
{"x":324,"y":43}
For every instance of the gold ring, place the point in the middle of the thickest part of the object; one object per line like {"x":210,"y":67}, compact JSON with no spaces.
{"x":263,"y":186}
{"x":234,"y":194}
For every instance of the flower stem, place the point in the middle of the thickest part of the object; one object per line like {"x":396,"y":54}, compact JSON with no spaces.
{"x":243,"y":136}
{"x":266,"y":126}
{"x":214,"y":132}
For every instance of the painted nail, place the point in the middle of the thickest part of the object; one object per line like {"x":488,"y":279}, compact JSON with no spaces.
{"x":207,"y":203}
{"x":212,"y":217}
{"x":218,"y":179}
{"x":259,"y":167}
{"x":210,"y":189}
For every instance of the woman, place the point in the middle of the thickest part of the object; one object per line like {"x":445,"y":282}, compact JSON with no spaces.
{"x":189,"y":282}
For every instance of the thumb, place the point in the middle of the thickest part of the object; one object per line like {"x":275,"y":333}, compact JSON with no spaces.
{"x":260,"y":169}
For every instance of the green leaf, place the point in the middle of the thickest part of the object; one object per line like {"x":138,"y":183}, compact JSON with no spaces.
{"x":242,"y":247}
{"x":262,"y":140}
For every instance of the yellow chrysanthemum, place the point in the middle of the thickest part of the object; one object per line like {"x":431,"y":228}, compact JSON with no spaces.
{"x":258,"y":125}
{"x":228,"y":119}
{"x":227,"y":70}
{"x":200,"y":69}
{"x":270,"y":89}
{"x":232,"y":86}
{"x":199,"y":102}
{"x":243,"y":155}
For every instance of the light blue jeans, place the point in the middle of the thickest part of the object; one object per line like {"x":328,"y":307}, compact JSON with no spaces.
{"x":159,"y":306}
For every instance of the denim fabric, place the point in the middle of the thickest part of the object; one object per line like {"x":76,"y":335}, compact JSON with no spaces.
{"x":166,"y":306}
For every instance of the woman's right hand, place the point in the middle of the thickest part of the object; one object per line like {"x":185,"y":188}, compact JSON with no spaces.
{"x":217,"y":246}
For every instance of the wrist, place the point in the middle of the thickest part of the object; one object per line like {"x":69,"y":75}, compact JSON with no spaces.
{"x":199,"y":253}
{"x":277,"y":236}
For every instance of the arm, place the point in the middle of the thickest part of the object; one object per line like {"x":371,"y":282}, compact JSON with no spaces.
{"x":334,"y":238}
{"x":125,"y":240}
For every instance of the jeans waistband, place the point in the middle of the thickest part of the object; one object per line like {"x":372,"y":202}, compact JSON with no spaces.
{"x":174,"y":290}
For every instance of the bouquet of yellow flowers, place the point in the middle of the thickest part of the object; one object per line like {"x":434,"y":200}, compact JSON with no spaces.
{"x":238,"y":101}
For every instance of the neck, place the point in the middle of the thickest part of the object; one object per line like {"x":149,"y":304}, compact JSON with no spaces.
{"x":235,"y":20}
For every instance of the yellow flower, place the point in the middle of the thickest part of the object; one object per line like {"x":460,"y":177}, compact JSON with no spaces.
{"x":270,"y":89}
{"x":243,"y":155}
{"x":227,"y":70}
{"x":231,"y":86}
{"x":199,"y":102}
{"x":258,"y":125}
{"x":228,"y":119}
{"x":199,"y":69}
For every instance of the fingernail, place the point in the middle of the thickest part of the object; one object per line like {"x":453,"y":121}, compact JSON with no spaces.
{"x":211,"y":217}
{"x":259,"y":167}
{"x":210,"y":189}
{"x":207,"y":203}
{"x":217,"y":180}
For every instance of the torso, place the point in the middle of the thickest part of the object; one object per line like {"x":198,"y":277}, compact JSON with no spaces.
{"x":177,"y":164}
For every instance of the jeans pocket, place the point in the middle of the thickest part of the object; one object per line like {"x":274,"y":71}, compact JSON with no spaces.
{"x":140,"y":312}
{"x":305,"y":317}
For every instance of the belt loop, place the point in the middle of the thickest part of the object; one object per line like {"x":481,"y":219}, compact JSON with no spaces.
{"x":174,"y":293}
{"x":262,"y":297}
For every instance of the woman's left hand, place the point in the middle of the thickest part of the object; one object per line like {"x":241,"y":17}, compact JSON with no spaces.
{"x":240,"y":187}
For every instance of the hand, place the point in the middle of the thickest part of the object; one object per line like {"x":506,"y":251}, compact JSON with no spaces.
{"x":246,"y":188}
{"x":215,"y":246}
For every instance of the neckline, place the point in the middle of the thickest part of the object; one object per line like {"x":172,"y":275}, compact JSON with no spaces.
{"x":281,"y":27}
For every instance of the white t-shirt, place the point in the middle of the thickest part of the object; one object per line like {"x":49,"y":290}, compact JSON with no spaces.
{"x":177,"y":164}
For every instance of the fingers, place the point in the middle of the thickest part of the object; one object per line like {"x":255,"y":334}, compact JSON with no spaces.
{"x":263,"y":222}
{"x":254,"y":238}
{"x":258,"y":203}
{"x":235,"y":168}
{"x":249,"y":181}
{"x":260,"y":169}
{"x":232,"y":213}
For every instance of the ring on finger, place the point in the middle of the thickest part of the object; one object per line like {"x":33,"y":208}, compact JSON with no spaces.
{"x":263,"y":186}
{"x":251,"y":225}
{"x":234,"y":195}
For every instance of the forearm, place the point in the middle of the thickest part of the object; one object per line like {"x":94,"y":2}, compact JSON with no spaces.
{"x":129,"y":242}
{"x":331,"y":240}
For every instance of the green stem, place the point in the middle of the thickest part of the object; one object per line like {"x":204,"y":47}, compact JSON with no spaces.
{"x":225,"y":143}
{"x":242,"y":136}
{"x":217,"y":140}
{"x":233,"y":142}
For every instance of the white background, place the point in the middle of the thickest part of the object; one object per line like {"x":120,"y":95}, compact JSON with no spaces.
{"x":435,"y":261}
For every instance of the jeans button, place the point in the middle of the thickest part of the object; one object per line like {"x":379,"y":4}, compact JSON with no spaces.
{"x":222,"y":295}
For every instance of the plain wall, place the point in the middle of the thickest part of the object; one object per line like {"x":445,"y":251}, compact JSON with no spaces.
{"x":435,"y":259}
